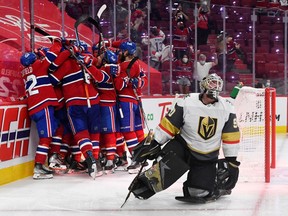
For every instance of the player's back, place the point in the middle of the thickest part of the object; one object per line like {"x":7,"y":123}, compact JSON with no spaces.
{"x":39,"y":90}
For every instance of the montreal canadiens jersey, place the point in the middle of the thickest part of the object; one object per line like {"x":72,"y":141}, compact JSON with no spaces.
{"x":40,"y":92}
{"x":125,"y":90}
{"x":72,"y":78}
{"x":204,"y":127}
{"x":106,"y":89}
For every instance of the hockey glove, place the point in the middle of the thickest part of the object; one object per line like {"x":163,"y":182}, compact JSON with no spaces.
{"x":114,"y":69}
{"x":233,"y":169}
{"x":136,"y":82}
{"x":86,"y":60}
{"x":145,"y":151}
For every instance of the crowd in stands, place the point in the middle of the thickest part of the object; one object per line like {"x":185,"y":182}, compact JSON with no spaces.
{"x":237,"y":38}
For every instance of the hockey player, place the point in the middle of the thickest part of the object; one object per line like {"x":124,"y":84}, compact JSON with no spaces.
{"x":194,"y":131}
{"x":128,"y":85}
{"x":41,"y":101}
{"x":108,"y":110}
{"x":82,"y":102}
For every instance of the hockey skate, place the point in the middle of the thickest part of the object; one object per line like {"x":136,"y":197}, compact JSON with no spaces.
{"x":56,"y":163}
{"x":109,"y":167}
{"x":77,"y":167}
{"x":92,"y":167}
{"x":42,"y":172}
{"x":99,"y":169}
{"x":121,"y":162}
{"x":135,"y":166}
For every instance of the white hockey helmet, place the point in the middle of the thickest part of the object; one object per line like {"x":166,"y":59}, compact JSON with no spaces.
{"x":212,"y":85}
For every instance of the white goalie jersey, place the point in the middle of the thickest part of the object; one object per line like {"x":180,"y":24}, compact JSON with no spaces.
{"x":204,"y":127}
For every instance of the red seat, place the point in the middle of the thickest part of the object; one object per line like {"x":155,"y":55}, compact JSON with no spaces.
{"x":272,"y":71}
{"x":263,"y":48}
{"x":272,"y":58}
{"x":260,"y":69}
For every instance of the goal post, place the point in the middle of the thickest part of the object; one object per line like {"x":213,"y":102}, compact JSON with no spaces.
{"x":256,"y":116}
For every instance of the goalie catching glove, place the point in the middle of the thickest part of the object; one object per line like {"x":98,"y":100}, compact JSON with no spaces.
{"x":146,"y":151}
{"x":228,"y":173}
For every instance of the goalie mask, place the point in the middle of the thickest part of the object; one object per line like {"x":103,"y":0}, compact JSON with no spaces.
{"x":211,"y":85}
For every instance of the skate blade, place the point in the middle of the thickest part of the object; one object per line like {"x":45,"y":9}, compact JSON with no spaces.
{"x":135,"y":171}
{"x":42,"y":176}
{"x":107,"y":172}
{"x":54,"y":166}
{"x":121,"y":169}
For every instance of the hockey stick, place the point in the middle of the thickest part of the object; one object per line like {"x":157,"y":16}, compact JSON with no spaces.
{"x":135,"y":91}
{"x":133,"y":182}
{"x":82,"y":19}
{"x":148,"y":140}
{"x":44,"y":33}
{"x":86,"y":18}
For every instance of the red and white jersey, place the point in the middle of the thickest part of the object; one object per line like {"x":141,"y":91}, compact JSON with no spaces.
{"x":156,"y":43}
{"x":39,"y":90}
{"x":180,"y":37}
{"x":106,"y":89}
{"x":75,"y":90}
{"x":123,"y":86}
{"x":183,"y":69}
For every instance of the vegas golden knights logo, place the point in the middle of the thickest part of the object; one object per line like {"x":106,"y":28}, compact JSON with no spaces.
{"x":207,"y":127}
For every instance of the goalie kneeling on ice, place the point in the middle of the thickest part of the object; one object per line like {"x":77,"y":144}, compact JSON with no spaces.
{"x":159,"y":177}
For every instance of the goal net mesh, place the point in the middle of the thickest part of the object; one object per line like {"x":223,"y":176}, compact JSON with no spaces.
{"x":250,"y":110}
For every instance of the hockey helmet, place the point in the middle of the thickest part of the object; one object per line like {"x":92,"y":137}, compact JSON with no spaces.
{"x":128,"y":46}
{"x":83,"y":46}
{"x":110,"y":57}
{"x":212,"y":85}
{"x":28,"y":58}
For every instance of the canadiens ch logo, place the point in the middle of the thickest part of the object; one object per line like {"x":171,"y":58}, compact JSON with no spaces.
{"x":207,"y":127}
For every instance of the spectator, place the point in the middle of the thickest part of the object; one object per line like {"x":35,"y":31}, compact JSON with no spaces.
{"x":183,"y":72}
{"x":159,"y":52}
{"x":232,"y":51}
{"x":202,"y":69}
{"x":180,"y":39}
{"x":137,"y":21}
{"x":180,"y":15}
{"x":203,"y":25}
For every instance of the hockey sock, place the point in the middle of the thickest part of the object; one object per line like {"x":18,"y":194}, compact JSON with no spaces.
{"x":109,"y":142}
{"x":140,"y":135}
{"x":56,"y":142}
{"x":95,"y":143}
{"x":131,"y":140}
{"x":42,"y":150}
{"x":120,"y":144}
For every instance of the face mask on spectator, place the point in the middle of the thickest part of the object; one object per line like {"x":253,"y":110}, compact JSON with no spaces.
{"x":185,"y":60}
{"x":202,"y":62}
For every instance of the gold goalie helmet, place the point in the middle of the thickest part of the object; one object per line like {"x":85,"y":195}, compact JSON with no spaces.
{"x":212,"y":85}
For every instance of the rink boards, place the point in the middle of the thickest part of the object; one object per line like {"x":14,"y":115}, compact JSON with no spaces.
{"x":19,"y":138}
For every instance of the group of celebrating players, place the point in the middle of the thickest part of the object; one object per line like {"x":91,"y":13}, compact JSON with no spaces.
{"x":86,"y":106}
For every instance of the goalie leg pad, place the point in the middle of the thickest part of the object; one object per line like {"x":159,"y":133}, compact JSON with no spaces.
{"x":161,"y":175}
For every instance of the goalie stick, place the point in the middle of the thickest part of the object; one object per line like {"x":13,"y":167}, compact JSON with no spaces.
{"x":148,"y":140}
